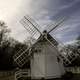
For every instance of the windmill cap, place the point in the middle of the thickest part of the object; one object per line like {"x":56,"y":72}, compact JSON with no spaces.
{"x":45,"y":31}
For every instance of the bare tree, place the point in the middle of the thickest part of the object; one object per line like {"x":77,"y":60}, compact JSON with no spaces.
{"x":3,"y":31}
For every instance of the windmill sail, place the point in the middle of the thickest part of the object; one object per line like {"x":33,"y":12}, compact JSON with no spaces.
{"x":69,"y":58}
{"x":23,"y":56}
{"x":56,"y":24}
{"x":31,"y":26}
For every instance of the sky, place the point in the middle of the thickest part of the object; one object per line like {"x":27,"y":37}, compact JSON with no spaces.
{"x":44,"y":12}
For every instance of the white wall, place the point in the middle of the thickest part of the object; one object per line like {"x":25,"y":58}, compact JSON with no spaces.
{"x":45,"y":64}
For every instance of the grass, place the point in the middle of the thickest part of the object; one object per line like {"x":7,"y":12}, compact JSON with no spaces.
{"x":11,"y":77}
{"x":7,"y":78}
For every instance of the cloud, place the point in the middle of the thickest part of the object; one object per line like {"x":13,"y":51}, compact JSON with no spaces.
{"x":11,"y":11}
{"x":67,"y":33}
{"x":8,"y":8}
{"x":44,"y":13}
{"x":48,"y":11}
{"x":70,"y":10}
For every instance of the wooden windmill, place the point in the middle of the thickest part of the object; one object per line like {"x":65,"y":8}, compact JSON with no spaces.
{"x":45,"y":58}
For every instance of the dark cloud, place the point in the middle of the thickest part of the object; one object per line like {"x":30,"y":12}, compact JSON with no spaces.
{"x":71,"y":28}
{"x":68,"y":11}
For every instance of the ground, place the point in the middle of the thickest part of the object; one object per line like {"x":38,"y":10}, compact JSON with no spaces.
{"x":11,"y":77}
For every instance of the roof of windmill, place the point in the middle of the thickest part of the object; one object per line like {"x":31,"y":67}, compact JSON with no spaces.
{"x":49,"y":37}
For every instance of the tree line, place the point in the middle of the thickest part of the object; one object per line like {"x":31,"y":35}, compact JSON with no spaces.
{"x":8,"y":47}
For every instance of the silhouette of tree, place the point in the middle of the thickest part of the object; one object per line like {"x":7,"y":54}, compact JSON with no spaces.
{"x":8,"y":48}
{"x":3,"y":32}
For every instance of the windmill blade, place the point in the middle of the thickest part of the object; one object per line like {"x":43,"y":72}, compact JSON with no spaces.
{"x":18,"y":53}
{"x":56,"y":25}
{"x":30,"y":25}
{"x":23,"y":56}
{"x":35,"y":25}
{"x":50,"y":42}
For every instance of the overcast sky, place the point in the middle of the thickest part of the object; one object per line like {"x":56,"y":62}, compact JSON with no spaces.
{"x":43,"y":12}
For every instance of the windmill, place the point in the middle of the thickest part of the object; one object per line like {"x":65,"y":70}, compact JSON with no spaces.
{"x":46,"y":60}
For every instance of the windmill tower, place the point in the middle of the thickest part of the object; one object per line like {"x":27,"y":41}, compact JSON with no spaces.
{"x":45,"y":58}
